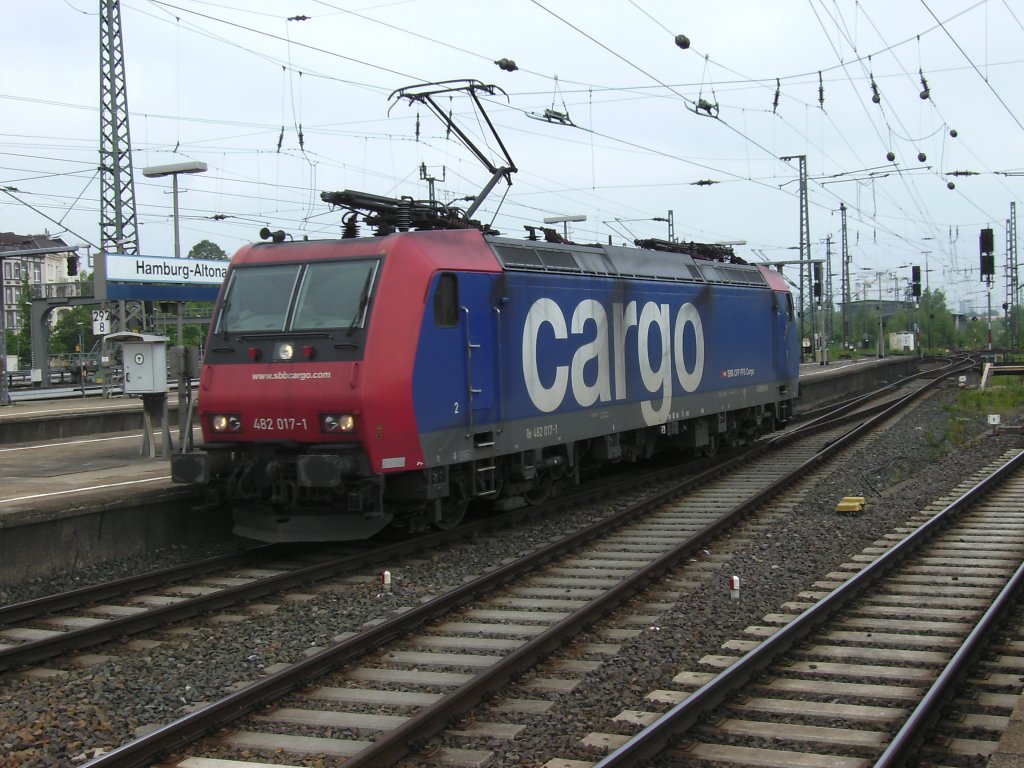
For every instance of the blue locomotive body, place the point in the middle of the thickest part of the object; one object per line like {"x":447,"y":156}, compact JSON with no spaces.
{"x":602,"y":352}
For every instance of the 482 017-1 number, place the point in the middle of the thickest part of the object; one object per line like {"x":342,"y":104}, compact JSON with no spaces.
{"x":278,"y":423}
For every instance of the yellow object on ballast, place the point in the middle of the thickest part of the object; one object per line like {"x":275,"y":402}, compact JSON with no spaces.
{"x":851,"y":504}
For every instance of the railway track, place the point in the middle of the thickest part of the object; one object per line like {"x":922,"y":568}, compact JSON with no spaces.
{"x":42,"y":629}
{"x":55,"y":625}
{"x":376,"y":709}
{"x":858,"y":672}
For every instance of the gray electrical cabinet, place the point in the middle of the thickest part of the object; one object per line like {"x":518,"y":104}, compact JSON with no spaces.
{"x":145,"y":362}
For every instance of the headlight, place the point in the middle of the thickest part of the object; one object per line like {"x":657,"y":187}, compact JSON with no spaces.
{"x":284,"y":351}
{"x":337,"y":422}
{"x":226,"y":423}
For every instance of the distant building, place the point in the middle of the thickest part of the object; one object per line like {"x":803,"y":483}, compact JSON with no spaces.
{"x":39,"y":270}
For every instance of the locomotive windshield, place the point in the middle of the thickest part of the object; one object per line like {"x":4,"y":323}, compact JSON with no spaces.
{"x":298,"y":297}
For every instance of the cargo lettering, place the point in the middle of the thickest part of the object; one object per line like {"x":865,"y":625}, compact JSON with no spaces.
{"x":657,"y":354}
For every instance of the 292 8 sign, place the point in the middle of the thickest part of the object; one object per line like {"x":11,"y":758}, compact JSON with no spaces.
{"x":100,"y":322}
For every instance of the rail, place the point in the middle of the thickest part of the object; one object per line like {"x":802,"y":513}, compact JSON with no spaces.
{"x":658,"y":736}
{"x":393,"y":745}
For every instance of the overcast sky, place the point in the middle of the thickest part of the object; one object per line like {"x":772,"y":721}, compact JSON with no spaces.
{"x":281,"y":109}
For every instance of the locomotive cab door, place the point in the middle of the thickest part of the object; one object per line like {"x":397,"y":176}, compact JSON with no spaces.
{"x":785,"y":319}
{"x":480,"y":335}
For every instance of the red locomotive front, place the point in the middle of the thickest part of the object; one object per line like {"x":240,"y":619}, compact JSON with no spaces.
{"x":305,"y":399}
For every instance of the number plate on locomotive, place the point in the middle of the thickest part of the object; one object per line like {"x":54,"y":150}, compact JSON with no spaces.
{"x":279,"y":423}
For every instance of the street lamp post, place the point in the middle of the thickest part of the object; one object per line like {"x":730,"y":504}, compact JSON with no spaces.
{"x":988,"y":286}
{"x":184,"y":385}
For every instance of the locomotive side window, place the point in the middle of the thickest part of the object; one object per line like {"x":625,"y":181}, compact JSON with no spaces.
{"x":446,"y":301}
{"x":334,"y":294}
{"x":257,"y":299}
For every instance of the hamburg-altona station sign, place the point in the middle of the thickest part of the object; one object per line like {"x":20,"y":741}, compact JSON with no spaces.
{"x":120,"y":276}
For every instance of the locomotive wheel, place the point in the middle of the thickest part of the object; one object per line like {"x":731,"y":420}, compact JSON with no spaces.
{"x":541,"y":491}
{"x":453,"y":509}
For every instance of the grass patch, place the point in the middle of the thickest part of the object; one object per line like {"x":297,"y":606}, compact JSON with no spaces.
{"x":969,"y":414}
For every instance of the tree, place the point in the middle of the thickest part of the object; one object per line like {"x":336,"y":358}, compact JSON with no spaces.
{"x":937,"y":327}
{"x":23,"y":339}
{"x":71,"y":322}
{"x":195,"y":335}
{"x":207,"y":249}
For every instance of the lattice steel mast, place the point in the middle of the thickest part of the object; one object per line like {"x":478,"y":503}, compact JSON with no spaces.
{"x":1011,"y":306}
{"x":845,"y":278}
{"x":118,"y":229}
{"x":807,"y":313}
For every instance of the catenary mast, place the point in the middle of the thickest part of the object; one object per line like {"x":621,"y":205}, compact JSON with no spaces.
{"x":118,"y":228}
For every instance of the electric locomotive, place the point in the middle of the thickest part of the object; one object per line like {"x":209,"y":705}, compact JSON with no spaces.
{"x":357,"y":384}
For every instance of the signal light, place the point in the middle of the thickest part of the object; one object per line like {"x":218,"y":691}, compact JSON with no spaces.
{"x":987,"y":246}
{"x":817,"y":281}
{"x":987,"y":241}
{"x":988,"y":265}
{"x":72,"y":265}
{"x":255,"y":353}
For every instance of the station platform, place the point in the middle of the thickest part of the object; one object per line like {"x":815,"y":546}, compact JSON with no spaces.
{"x":60,"y":454}
{"x":28,"y":420}
{"x":820,"y":384}
{"x":75,"y":474}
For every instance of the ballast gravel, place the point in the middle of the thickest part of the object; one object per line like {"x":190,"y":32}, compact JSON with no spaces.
{"x":121,"y":689}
